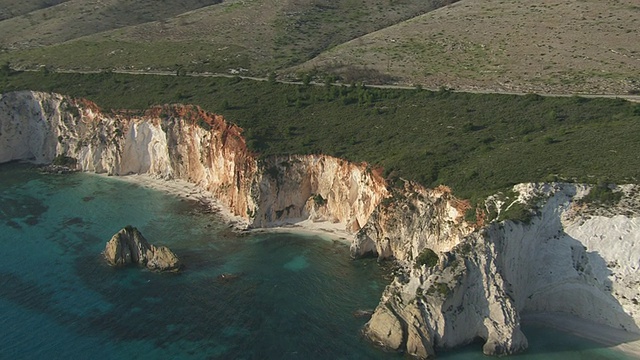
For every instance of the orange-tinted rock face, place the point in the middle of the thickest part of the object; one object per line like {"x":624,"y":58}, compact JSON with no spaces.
{"x":188,"y":143}
{"x":485,"y":275}
{"x":204,"y":149}
{"x":418,"y":218}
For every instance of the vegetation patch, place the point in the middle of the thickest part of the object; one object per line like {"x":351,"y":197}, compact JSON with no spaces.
{"x":63,"y":160}
{"x":426,"y":257}
{"x":319,"y":200}
{"x":518,"y":212}
{"x":439,"y":288}
{"x":602,"y":194}
{"x":423,"y":136}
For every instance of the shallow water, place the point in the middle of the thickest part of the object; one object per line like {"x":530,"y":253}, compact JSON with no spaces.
{"x":291,"y":296}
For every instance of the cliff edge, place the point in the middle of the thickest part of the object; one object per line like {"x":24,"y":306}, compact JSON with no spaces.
{"x":459,"y":280}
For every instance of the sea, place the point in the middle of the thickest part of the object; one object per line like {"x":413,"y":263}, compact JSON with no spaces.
{"x":239,"y":296}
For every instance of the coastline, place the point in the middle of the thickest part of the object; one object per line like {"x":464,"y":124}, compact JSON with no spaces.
{"x":615,"y":339}
{"x":323,"y":229}
{"x":186,"y":190}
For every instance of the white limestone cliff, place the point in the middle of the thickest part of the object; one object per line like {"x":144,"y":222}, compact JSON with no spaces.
{"x":564,"y":260}
{"x":319,"y":188}
{"x":574,"y":258}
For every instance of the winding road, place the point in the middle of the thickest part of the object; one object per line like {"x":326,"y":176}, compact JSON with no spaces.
{"x":633,"y":98}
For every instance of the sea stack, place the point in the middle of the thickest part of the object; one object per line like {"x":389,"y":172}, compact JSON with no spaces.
{"x":128,"y":246}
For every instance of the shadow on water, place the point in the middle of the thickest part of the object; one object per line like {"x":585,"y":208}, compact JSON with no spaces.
{"x":545,"y":343}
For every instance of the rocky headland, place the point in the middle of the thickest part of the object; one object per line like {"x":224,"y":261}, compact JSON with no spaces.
{"x":128,"y":246}
{"x":460,"y":279}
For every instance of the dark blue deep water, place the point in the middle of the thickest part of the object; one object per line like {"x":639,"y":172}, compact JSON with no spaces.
{"x":293,"y":297}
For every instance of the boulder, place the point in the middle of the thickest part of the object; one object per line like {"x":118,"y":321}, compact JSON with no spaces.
{"x":384,"y":328}
{"x":128,"y":246}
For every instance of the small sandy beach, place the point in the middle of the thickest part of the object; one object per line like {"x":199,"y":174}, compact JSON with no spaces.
{"x":626,"y":342}
{"x":187,"y":190}
{"x":324,"y":229}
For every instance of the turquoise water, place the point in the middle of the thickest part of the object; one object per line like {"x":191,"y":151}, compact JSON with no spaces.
{"x":291,"y":296}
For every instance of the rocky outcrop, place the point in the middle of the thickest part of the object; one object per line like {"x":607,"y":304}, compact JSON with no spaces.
{"x":128,"y":246}
{"x":428,"y":307}
{"x":560,"y":259}
{"x":318,"y":188}
{"x":416,"y":218}
{"x":567,"y":256}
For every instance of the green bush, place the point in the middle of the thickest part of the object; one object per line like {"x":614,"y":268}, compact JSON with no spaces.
{"x":440,"y":288}
{"x":5,"y":69}
{"x":470,"y":215}
{"x":427,"y":257}
{"x":63,"y":160}
{"x":517,"y":212}
{"x":319,"y":200}
{"x":424,"y":136}
{"x":602,"y":194}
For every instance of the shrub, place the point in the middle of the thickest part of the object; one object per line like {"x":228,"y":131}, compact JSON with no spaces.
{"x":439,"y":288}
{"x":63,"y":160}
{"x":602,"y":194}
{"x":319,"y":200}
{"x":427,"y":257}
{"x":203,"y":124}
{"x":470,"y":215}
{"x":517,"y":212}
{"x":5,"y":69}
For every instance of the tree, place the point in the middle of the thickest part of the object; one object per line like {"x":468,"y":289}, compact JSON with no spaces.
{"x":306,"y":80}
{"x":45,"y":70}
{"x":272,"y":78}
{"x":5,"y":69}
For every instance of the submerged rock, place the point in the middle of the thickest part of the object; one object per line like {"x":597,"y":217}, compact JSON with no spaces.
{"x":128,"y":246}
{"x":227,"y":277}
{"x":363,"y":313}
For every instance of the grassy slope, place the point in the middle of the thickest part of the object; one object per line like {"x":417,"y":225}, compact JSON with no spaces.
{"x":34,"y":24}
{"x":259,"y":35}
{"x":549,"y":46}
{"x":475,"y":143}
{"x":13,"y":8}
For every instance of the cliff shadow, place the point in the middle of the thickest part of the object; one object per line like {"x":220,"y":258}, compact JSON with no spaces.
{"x":582,"y":298}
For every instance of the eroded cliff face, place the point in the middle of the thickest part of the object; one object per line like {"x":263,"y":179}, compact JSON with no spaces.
{"x":185,"y":142}
{"x":416,"y":218}
{"x":462,"y":298}
{"x":318,"y":188}
{"x":571,"y":257}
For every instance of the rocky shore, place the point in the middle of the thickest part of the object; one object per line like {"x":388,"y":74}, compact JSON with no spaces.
{"x":460,"y":279}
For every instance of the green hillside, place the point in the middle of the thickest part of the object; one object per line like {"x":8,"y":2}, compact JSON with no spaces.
{"x":474,"y":143}
{"x":257,"y":35}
